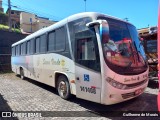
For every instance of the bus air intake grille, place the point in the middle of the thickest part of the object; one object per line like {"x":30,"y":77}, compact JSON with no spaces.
{"x":128,"y":95}
{"x":136,"y":84}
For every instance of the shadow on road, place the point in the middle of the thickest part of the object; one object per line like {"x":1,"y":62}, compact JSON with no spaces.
{"x":144,"y":103}
{"x":4,"y":107}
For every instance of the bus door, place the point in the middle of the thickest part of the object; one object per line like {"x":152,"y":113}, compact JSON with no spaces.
{"x":87,"y":68}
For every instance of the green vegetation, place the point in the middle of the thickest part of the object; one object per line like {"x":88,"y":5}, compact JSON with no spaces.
{"x":6,"y":28}
{"x":4,"y":18}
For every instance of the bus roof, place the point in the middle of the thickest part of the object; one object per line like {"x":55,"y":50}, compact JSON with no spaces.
{"x":93,"y":15}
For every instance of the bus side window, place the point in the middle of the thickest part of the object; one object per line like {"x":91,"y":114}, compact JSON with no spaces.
{"x":37,"y":45}
{"x":21,"y":49}
{"x":51,"y":41}
{"x":24,"y":48}
{"x":13,"y":51}
{"x":28,"y":47}
{"x":18,"y":50}
{"x":60,"y":39}
{"x":43,"y":43}
{"x":32,"y":46}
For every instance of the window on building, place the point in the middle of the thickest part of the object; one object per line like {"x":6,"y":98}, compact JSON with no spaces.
{"x":12,"y":12}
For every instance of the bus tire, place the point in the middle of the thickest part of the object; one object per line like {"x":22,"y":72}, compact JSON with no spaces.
{"x":63,"y":87}
{"x":22,"y":73}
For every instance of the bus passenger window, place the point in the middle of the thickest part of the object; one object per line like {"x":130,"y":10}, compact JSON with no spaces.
{"x":43,"y":43}
{"x":32,"y":48}
{"x":21,"y":49}
{"x":37,"y":45}
{"x":28,"y":47}
{"x":60,"y":39}
{"x":51,"y":41}
{"x":13,"y":51}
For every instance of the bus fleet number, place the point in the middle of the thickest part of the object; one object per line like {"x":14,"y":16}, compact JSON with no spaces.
{"x":88,"y":89}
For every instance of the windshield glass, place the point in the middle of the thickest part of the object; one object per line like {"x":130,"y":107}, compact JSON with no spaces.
{"x":122,"y":49}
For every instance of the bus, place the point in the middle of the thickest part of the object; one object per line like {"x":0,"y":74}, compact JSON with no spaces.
{"x":91,"y":55}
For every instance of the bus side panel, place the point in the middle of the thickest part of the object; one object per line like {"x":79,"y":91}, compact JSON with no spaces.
{"x":46,"y":65}
{"x":17,"y":63}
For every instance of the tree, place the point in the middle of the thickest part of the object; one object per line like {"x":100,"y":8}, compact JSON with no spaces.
{"x":3,"y":18}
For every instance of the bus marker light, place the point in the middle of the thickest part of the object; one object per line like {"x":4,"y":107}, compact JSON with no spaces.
{"x":72,"y":81}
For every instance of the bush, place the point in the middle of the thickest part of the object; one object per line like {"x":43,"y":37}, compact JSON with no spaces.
{"x":6,"y":28}
{"x":4,"y":18}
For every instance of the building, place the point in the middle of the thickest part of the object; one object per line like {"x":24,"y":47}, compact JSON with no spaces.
{"x":143,"y":31}
{"x":31,"y":23}
{"x":15,"y":18}
{"x":148,"y":30}
{"x":1,"y":8}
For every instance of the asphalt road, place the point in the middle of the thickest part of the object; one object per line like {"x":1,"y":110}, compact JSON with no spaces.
{"x":28,"y":95}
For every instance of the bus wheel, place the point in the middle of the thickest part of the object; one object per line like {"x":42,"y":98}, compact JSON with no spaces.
{"x":63,"y":87}
{"x":22,"y":74}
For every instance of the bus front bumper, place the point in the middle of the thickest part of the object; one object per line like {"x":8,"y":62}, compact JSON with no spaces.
{"x":114,"y":95}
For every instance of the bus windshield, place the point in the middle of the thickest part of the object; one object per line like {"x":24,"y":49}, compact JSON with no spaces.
{"x":123,"y":52}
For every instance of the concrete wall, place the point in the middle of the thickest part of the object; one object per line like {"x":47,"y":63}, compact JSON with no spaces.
{"x":6,"y":40}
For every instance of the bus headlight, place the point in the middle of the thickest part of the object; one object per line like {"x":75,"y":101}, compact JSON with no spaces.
{"x":115,"y":83}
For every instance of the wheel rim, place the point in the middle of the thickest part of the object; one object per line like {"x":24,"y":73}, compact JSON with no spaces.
{"x":62,"y":88}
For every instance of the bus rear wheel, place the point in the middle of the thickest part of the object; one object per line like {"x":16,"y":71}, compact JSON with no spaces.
{"x":63,"y":87}
{"x":22,"y":74}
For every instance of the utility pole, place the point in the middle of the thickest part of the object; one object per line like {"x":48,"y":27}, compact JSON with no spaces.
{"x":9,"y":15}
{"x":85,"y":5}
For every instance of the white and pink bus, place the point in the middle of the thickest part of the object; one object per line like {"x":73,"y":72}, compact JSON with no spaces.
{"x":91,"y":55}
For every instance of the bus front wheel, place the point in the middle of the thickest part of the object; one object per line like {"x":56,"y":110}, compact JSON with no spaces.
{"x":22,"y":74}
{"x":63,"y":87}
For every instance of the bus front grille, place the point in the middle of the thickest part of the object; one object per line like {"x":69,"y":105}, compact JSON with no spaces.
{"x":128,"y":95}
{"x":136,"y":84}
